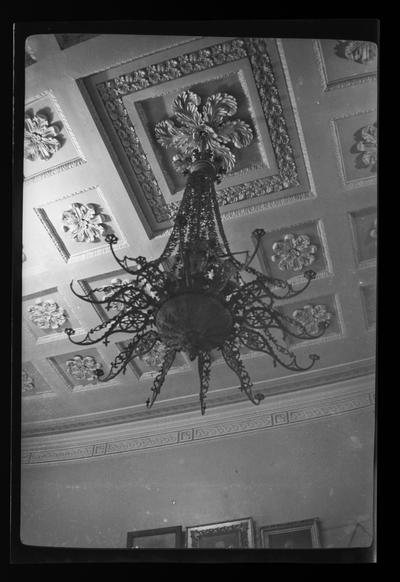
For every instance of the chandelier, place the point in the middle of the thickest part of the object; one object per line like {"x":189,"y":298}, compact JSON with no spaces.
{"x":197,"y":296}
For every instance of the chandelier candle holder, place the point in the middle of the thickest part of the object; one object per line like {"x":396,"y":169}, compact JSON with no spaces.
{"x":194,"y":298}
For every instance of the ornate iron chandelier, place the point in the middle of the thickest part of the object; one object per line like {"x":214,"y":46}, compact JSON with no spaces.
{"x":197,"y":297}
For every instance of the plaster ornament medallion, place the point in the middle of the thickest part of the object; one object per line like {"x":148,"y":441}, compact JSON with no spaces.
{"x":360,"y":51}
{"x":27,"y":384}
{"x":83,"y":222}
{"x":294,"y":252}
{"x":313,"y":317}
{"x":373,"y":233}
{"x":367,"y":145}
{"x":155,"y":356}
{"x":210,"y":129}
{"x":40,"y":138}
{"x":47,"y":314}
{"x":84,"y":368}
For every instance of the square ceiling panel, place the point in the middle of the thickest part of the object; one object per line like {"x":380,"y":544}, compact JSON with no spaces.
{"x":131,"y":99}
{"x":346,"y":62}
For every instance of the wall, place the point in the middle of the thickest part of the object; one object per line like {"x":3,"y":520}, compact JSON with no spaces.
{"x":322,"y":468}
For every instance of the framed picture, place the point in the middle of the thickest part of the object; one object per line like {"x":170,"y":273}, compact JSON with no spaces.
{"x":163,"y":538}
{"x":294,"y":535}
{"x":225,"y":536}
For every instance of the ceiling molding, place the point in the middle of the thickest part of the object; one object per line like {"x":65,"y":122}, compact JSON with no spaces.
{"x":273,"y":389}
{"x":277,"y":412}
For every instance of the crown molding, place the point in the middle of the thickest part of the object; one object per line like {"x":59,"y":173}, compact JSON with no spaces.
{"x":276,"y":411}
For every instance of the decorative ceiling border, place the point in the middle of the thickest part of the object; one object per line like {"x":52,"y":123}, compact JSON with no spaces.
{"x":112,"y":92}
{"x":285,"y":415}
{"x":295,"y":384}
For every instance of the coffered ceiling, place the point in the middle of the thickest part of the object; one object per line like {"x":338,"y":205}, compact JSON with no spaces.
{"x":311,"y":170}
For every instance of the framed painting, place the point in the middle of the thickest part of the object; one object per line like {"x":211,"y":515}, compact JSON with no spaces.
{"x":163,"y":538}
{"x":226,"y":535}
{"x":293,"y":535}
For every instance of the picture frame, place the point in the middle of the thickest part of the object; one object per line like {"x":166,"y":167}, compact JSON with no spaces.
{"x":292,"y":535}
{"x":232,"y":534}
{"x":161,"y":538}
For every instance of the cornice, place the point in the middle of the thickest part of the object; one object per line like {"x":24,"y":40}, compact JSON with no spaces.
{"x":277,"y":411}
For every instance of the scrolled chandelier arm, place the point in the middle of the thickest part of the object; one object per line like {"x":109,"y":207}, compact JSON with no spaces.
{"x":193,"y":297}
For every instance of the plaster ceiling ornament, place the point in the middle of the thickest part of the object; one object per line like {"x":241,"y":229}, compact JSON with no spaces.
{"x":197,"y":297}
{"x":313,"y":317}
{"x":359,"y":51}
{"x":191,"y":128}
{"x":368,"y":146}
{"x":83,"y":222}
{"x":255,"y":50}
{"x":294,"y":252}
{"x":84,"y":368}
{"x":47,"y":314}
{"x":27,"y":384}
{"x":373,"y":233}
{"x":40,"y":138}
{"x":155,"y":356}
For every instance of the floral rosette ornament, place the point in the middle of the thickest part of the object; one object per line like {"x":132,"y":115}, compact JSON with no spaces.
{"x":47,"y":314}
{"x":83,"y":222}
{"x":192,"y":131}
{"x":40,"y":138}
{"x":368,"y":146}
{"x":313,"y":318}
{"x":360,"y":51}
{"x":155,"y":356}
{"x":84,"y":368}
{"x":373,"y":233}
{"x":27,"y":384}
{"x":294,"y":252}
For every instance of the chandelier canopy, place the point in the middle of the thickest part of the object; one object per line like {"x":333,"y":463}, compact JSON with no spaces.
{"x":197,"y":297}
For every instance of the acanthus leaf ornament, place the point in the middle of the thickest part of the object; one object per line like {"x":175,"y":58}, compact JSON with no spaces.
{"x":83,"y":222}
{"x":197,"y":297}
{"x":193,"y":131}
{"x":40,"y":138}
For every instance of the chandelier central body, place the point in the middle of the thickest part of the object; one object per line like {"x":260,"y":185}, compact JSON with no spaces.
{"x":197,"y":297}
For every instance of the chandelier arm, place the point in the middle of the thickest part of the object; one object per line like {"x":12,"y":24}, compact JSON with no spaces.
{"x":112,"y":325}
{"x":277,"y":320}
{"x":231,"y":355}
{"x":122,"y":290}
{"x":270,"y":346}
{"x":204,"y":367}
{"x":90,"y":298}
{"x":304,"y":334}
{"x":159,"y":380}
{"x":282,"y":284}
{"x":136,"y":348}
